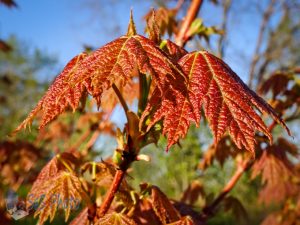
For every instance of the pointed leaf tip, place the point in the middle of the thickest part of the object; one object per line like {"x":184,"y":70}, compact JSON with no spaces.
{"x":131,"y":31}
{"x":152,"y":29}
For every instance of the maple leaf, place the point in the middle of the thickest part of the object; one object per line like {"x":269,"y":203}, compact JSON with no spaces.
{"x":277,"y":172}
{"x":175,"y":51}
{"x":165,"y":19}
{"x":98,"y":71}
{"x":63,"y":191}
{"x":229,"y":105}
{"x":115,"y":219}
{"x":53,"y":167}
{"x":162,"y":206}
{"x":16,"y":160}
{"x":277,"y":82}
{"x":193,"y":192}
{"x":219,"y":152}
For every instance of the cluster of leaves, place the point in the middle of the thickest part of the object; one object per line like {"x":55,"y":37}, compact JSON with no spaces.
{"x":174,"y":89}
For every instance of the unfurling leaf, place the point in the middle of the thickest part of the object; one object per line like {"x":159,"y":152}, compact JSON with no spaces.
{"x":228,"y":103}
{"x":165,"y":20}
{"x":152,"y":29}
{"x":62,"y":191}
{"x":115,"y":219}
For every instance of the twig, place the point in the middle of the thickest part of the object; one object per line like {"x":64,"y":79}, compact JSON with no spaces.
{"x":193,"y":10}
{"x":209,"y":210}
{"x":242,"y":167}
{"x":111,"y":193}
{"x":266,"y":17}
{"x":128,"y":157}
{"x":226,"y":8}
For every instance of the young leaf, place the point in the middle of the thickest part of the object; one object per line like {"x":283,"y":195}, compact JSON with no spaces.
{"x":162,"y":206}
{"x":175,"y":51}
{"x":115,"y":219}
{"x":193,"y":192}
{"x":61,"y":191}
{"x":53,"y":167}
{"x":228,"y":103}
{"x":96,"y":73}
{"x":277,"y":172}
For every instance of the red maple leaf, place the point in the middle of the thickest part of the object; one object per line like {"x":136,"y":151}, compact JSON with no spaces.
{"x":228,"y":103}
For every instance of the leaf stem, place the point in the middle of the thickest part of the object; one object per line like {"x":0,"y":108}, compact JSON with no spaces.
{"x":120,"y":97}
{"x":193,"y":10}
{"x":64,"y":163}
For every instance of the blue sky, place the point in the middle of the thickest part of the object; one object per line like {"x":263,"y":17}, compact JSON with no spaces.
{"x":61,"y":28}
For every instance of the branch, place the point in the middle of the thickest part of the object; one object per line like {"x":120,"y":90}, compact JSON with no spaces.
{"x":111,"y":193}
{"x":266,"y":17}
{"x":226,"y":8}
{"x":243,"y":166}
{"x":128,"y":156}
{"x":193,"y":10}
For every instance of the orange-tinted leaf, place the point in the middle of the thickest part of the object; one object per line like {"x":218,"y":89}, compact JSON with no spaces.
{"x":277,"y":172}
{"x":16,"y":161}
{"x":82,"y":218}
{"x":152,"y":28}
{"x":61,"y":94}
{"x":220,"y":152}
{"x":186,"y":220}
{"x":228,"y":103}
{"x":52,"y":169}
{"x":193,"y":192}
{"x":144,"y":214}
{"x":278,"y":83}
{"x":116,"y":61}
{"x":162,"y":207}
{"x":165,"y":19}
{"x":175,"y":51}
{"x":115,"y":219}
{"x":62,"y":191}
